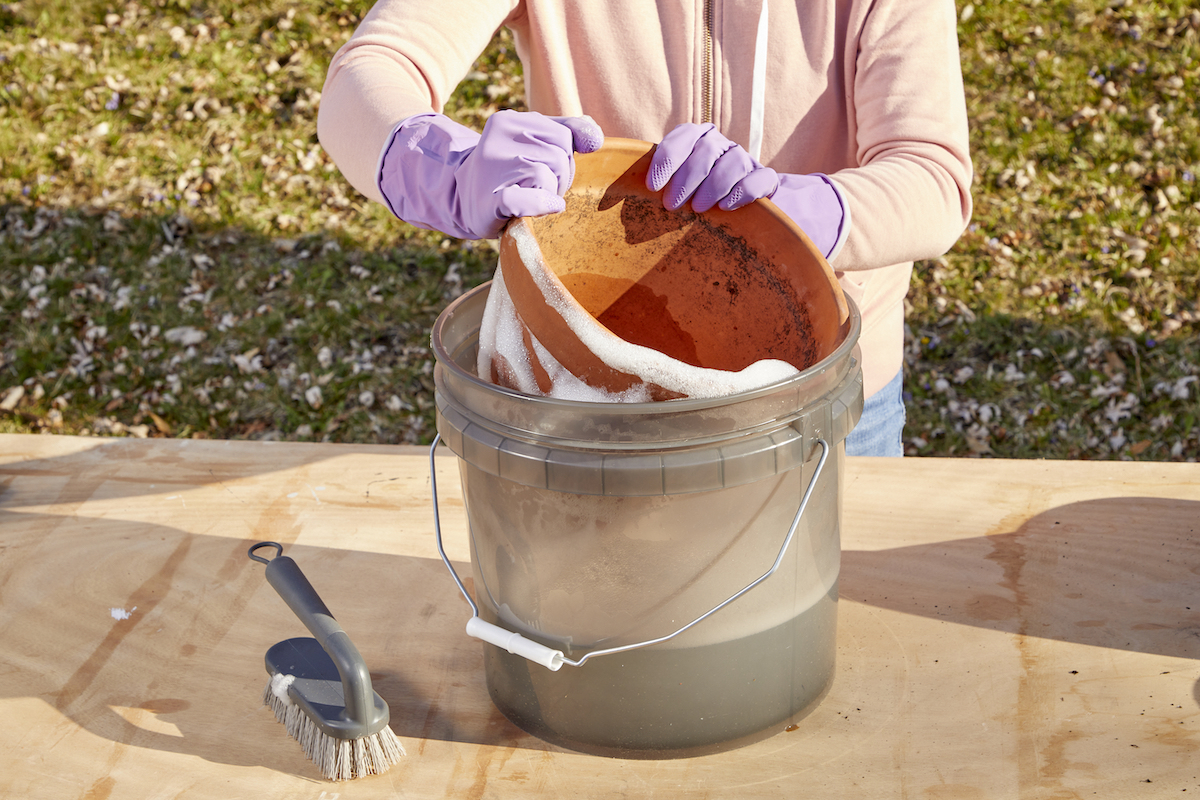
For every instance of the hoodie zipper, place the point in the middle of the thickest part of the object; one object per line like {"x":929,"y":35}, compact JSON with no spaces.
{"x":706,"y":79}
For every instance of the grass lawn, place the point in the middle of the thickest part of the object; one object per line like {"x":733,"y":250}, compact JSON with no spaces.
{"x":178,"y":256}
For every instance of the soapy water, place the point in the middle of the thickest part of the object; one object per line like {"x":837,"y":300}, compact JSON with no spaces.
{"x":679,"y":702}
{"x":507,"y":350}
{"x":583,"y":571}
{"x":587,"y":572}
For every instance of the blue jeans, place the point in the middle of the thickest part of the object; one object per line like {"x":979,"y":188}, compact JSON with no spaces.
{"x":881,"y":427}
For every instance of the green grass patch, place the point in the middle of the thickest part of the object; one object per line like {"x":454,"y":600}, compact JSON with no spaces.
{"x":179,"y":257}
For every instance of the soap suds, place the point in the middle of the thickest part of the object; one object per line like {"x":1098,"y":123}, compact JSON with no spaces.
{"x":279,"y":687}
{"x":502,"y":339}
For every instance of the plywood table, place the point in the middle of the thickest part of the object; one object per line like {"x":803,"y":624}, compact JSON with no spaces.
{"x":1007,"y":629}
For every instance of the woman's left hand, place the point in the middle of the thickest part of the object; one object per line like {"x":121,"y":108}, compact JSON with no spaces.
{"x":697,"y":163}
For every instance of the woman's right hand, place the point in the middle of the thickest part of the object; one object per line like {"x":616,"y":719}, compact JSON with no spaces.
{"x":438,"y":174}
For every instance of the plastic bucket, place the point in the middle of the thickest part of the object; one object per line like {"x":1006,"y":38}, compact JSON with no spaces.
{"x":597,"y":525}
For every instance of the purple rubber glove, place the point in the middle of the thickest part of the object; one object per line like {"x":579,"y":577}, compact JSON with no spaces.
{"x":697,"y":163}
{"x":437,"y":174}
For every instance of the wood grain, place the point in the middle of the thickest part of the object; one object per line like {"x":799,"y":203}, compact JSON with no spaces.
{"x":1007,"y":629}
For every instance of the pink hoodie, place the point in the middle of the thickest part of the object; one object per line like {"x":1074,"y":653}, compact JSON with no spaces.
{"x":868,"y":92}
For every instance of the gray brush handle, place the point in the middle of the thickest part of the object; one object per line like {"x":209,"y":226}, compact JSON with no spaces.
{"x":284,"y":574}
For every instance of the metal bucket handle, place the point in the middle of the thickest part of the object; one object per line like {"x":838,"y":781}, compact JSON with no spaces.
{"x":553,"y":659}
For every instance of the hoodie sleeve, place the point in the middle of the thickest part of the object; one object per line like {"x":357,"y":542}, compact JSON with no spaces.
{"x":910,"y":196}
{"x":406,"y":58}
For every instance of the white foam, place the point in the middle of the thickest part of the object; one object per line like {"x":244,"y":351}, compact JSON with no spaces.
{"x":502,"y":340}
{"x":501,"y":335}
{"x":279,"y":687}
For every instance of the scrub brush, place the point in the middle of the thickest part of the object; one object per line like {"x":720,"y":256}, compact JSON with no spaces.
{"x":320,"y":688}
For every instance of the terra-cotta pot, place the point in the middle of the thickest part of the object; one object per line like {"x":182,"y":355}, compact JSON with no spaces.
{"x":719,"y":290}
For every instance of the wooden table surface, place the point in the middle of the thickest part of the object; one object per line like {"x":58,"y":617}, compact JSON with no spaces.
{"x":1006,"y":629}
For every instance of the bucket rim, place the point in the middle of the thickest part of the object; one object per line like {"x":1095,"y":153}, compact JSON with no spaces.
{"x":849,"y":334}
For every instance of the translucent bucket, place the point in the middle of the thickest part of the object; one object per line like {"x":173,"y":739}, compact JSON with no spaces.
{"x":599,"y":526}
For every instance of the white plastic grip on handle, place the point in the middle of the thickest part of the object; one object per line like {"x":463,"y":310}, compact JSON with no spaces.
{"x":515,"y":643}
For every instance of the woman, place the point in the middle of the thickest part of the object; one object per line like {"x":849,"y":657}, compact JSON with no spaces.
{"x":848,"y":114}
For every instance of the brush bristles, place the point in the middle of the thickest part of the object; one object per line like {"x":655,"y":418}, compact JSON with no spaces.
{"x":338,"y":759}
